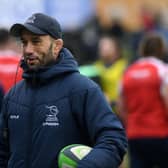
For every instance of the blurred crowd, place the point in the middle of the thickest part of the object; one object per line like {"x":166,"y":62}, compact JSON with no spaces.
{"x":108,"y":55}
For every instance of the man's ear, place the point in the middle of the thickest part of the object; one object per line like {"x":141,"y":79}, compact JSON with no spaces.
{"x":58,"y":44}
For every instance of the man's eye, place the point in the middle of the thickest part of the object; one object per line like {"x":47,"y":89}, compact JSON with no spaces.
{"x":24,"y":43}
{"x":35,"y":41}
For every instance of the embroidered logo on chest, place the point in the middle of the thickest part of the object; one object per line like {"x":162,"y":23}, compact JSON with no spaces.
{"x":51,"y":118}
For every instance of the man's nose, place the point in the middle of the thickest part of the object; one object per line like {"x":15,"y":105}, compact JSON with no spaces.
{"x":29,"y":48}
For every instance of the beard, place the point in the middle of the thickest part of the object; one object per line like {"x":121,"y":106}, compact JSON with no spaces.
{"x":44,"y":60}
{"x":48,"y":58}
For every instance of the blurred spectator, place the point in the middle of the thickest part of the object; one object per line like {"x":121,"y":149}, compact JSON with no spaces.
{"x":147,"y":18}
{"x":144,"y":105}
{"x":10,"y":57}
{"x":92,"y":32}
{"x":90,"y":35}
{"x":111,"y":65}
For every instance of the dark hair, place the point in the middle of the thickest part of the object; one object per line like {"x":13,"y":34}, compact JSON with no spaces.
{"x":152,"y":45}
{"x":4,"y":36}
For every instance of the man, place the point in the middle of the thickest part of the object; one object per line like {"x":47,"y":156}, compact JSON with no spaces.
{"x":10,"y":73}
{"x":111,"y":66}
{"x":54,"y":106}
{"x":144,"y":100}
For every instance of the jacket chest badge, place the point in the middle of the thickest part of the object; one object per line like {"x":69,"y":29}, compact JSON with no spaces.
{"x":51,"y":117}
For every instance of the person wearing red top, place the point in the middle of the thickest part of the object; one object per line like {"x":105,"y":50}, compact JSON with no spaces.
{"x":10,"y":73}
{"x":144,"y":105}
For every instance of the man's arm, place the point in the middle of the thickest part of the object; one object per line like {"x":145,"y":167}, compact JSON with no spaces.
{"x":104,"y":129}
{"x":4,"y":147}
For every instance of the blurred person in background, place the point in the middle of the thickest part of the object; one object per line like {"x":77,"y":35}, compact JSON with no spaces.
{"x":144,"y":105}
{"x":111,"y":66}
{"x":10,"y":56}
{"x":55,"y":106}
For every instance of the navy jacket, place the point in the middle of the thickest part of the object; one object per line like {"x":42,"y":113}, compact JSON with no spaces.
{"x":55,"y":107}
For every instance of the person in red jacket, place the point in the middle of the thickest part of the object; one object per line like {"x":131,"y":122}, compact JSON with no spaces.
{"x":144,"y":105}
{"x":10,"y":56}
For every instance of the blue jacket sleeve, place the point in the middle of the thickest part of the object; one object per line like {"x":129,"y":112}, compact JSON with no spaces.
{"x":4,"y":147}
{"x":104,"y":129}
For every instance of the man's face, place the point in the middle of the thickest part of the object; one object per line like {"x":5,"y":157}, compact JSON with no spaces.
{"x":108,"y":50}
{"x":37,"y":49}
